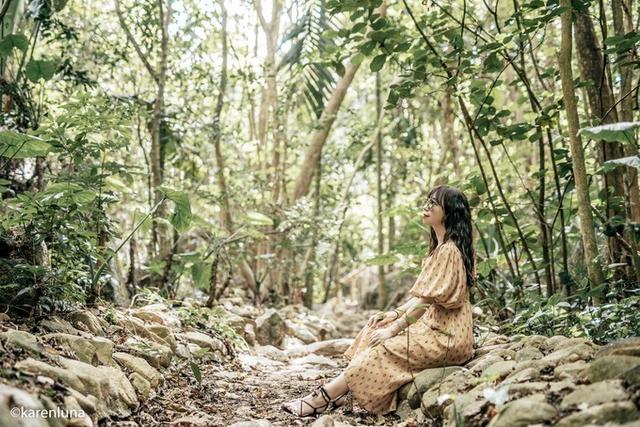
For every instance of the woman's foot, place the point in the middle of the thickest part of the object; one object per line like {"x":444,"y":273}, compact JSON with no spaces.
{"x":315,"y":403}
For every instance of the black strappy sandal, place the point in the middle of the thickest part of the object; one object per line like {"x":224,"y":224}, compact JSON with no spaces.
{"x":329,"y":403}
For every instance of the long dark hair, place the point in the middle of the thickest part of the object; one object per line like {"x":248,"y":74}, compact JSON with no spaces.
{"x":457,"y":224}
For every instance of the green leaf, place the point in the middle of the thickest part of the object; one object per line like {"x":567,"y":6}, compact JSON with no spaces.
{"x":632,"y":161}
{"x":615,"y":132}
{"x":378,"y":62}
{"x":38,"y":69}
{"x":181,"y":218}
{"x":196,"y":371}
{"x":383,"y":259}
{"x":11,"y":41}
{"x":21,"y":146}
{"x":256,"y":218}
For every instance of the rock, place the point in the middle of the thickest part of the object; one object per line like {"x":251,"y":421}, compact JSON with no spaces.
{"x":115,"y":394}
{"x":617,"y":412}
{"x":609,"y":367}
{"x":137,"y":327}
{"x":632,"y":378}
{"x":94,"y":350}
{"x":140,"y":366}
{"x":71,"y":404}
{"x":522,"y":376}
{"x":250,"y":334}
{"x":166,"y":334}
{"x":569,"y":370}
{"x":432,"y":401}
{"x":252,"y":423}
{"x":554,"y":341}
{"x":158,"y":313}
{"x":525,"y":389}
{"x":541,"y":365}
{"x":490,"y":339}
{"x":424,"y":381}
{"x":12,"y":397}
{"x":334,"y":347}
{"x":523,"y":412}
{"x":158,"y":355}
{"x":570,"y":353}
{"x":481,"y":351}
{"x":528,"y":353}
{"x":204,"y":341}
{"x":141,"y":385}
{"x":270,"y":328}
{"x":86,"y":321}
{"x":595,"y":394}
{"x":483,"y":362}
{"x":623,"y":347}
{"x":498,"y":370}
{"x":314,"y":359}
{"x":21,"y":340}
{"x":56,"y":324}
{"x":301,"y":332}
{"x":4,"y":317}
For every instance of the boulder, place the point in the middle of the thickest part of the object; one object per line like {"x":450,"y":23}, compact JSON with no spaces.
{"x":570,"y":353}
{"x":436,"y":398}
{"x":21,"y":340}
{"x":524,"y":412}
{"x":86,"y":321}
{"x":204,"y":341}
{"x":114,"y":393}
{"x":423,"y":381}
{"x":624,"y":347}
{"x":270,"y":328}
{"x":498,"y":370}
{"x":569,"y":370}
{"x":158,"y":355}
{"x":609,"y":367}
{"x":140,"y":366}
{"x":12,"y":398}
{"x":614,"y":412}
{"x":595,"y":394}
{"x":141,"y":385}
{"x":94,"y":350}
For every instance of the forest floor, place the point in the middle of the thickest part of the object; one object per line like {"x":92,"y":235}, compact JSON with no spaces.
{"x":251,"y":388}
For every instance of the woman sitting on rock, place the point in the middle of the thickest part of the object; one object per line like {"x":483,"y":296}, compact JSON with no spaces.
{"x":382,"y":356}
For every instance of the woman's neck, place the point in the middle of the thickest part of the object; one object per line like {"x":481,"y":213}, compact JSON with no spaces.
{"x":440,"y":232}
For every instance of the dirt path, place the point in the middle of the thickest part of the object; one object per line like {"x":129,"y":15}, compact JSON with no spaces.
{"x":252,"y":388}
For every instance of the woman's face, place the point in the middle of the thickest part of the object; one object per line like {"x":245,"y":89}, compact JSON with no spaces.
{"x":432,"y":212}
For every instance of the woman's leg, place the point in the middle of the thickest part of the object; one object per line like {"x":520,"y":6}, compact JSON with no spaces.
{"x":336,"y":388}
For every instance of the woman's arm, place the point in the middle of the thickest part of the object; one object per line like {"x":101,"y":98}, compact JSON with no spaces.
{"x":416,"y":310}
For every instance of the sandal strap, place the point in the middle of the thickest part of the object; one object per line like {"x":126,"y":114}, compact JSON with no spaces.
{"x":325,"y":395}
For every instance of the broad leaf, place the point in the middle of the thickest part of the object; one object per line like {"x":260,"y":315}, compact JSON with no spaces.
{"x":20,"y":146}
{"x":181,"y":218}
{"x":11,"y":41}
{"x":632,"y":161}
{"x":378,"y":62}
{"x":38,"y":69}
{"x":384,"y":259}
{"x":256,"y":218}
{"x":615,"y":132}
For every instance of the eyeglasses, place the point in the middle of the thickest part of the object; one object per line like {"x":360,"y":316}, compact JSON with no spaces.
{"x":430,"y":203}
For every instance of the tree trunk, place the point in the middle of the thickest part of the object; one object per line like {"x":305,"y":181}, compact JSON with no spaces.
{"x":577,"y":153}
{"x":601,"y":100}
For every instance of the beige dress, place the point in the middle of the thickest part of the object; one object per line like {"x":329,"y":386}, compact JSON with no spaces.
{"x":442,"y":336}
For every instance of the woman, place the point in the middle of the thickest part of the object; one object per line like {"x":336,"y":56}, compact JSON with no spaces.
{"x":382,"y":357}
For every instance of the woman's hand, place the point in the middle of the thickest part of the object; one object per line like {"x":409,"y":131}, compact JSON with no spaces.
{"x":380,"y":335}
{"x":381,"y":318}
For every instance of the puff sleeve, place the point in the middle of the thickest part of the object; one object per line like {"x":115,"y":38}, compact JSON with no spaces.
{"x":442,"y":280}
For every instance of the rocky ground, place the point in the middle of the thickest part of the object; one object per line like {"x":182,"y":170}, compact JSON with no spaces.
{"x":183,"y":365}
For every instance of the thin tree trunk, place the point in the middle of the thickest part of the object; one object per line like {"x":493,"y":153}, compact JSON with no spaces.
{"x":591,"y":258}
{"x":225,"y":211}
{"x":383,"y":296}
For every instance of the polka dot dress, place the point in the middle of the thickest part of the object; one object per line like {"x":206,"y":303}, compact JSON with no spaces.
{"x":442,"y":336}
